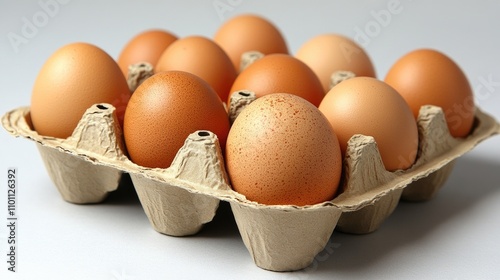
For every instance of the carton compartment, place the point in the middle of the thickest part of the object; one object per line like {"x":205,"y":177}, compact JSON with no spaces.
{"x":178,"y":200}
{"x":172,"y":210}
{"x":365,"y":173}
{"x":426,"y":188}
{"x":77,"y":180}
{"x":371,"y":217}
{"x":284,"y":238}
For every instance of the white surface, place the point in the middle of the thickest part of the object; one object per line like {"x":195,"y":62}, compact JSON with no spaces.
{"x":454,"y":236}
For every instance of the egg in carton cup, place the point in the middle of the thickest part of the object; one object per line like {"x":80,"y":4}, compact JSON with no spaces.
{"x":180,"y":199}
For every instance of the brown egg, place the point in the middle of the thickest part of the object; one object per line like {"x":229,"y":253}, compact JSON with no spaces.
{"x":74,"y":78}
{"x":146,"y":46}
{"x":282,"y":150}
{"x":429,"y":77}
{"x":249,"y":32}
{"x":280,"y":73}
{"x":203,"y":57}
{"x":164,"y":110}
{"x":328,"y":53}
{"x":367,"y":106}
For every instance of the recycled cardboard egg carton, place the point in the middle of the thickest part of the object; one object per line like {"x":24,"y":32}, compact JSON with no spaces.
{"x":180,"y":199}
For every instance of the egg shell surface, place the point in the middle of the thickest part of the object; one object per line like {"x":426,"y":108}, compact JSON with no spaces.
{"x":164,"y":110}
{"x":368,"y":106}
{"x":281,"y":150}
{"x":429,"y":77}
{"x":75,"y":77}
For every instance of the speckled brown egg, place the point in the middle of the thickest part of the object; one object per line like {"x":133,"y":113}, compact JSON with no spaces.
{"x":282,"y":150}
{"x":75,"y":77}
{"x":429,"y":77}
{"x":203,"y":57}
{"x":280,"y":73}
{"x":164,"y":110}
{"x":368,"y":106}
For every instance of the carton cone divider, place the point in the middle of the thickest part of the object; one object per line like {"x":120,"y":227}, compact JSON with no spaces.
{"x":176,"y":211}
{"x":96,"y":135}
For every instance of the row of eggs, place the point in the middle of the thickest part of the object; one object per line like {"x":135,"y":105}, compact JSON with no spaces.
{"x":287,"y":146}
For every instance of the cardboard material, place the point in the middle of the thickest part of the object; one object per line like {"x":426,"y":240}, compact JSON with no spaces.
{"x":178,"y":200}
{"x":339,"y":76}
{"x":238,"y":101}
{"x":138,"y":73}
{"x":283,"y":238}
{"x":248,"y":58}
{"x":171,"y":209}
{"x":371,"y":217}
{"x":77,"y":180}
{"x":426,"y":188}
{"x":71,"y":162}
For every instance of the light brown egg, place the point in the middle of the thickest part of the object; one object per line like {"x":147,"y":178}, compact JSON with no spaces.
{"x":203,"y":57}
{"x":282,"y":150}
{"x":429,"y":77}
{"x":164,"y":110}
{"x":367,"y":106}
{"x":248,"y":32}
{"x":280,"y":73}
{"x":328,"y":53}
{"x":146,"y":46}
{"x":75,"y":77}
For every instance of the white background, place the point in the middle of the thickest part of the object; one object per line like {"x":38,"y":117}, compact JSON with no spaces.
{"x":454,"y":236}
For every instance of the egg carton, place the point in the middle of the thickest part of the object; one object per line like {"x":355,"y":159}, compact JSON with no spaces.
{"x":180,"y":199}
